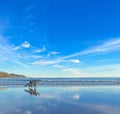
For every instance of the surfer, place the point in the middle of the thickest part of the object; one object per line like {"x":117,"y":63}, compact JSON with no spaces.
{"x":30,"y":82}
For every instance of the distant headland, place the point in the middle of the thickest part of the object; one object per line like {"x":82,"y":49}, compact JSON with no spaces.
{"x":7,"y":75}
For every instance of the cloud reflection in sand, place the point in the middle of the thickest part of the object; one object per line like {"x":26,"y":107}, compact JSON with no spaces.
{"x":53,"y":100}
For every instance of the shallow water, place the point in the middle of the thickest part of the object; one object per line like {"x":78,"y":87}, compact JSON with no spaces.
{"x":60,"y":100}
{"x":60,"y":81}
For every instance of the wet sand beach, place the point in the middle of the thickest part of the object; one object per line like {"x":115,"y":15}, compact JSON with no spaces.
{"x":60,"y":100}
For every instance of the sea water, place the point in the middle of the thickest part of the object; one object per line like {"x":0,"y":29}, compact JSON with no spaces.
{"x":60,"y":81}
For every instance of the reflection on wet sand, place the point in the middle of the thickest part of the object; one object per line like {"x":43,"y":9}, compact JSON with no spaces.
{"x":60,"y":100}
{"x":32,"y":91}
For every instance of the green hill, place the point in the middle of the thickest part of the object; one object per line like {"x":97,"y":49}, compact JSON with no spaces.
{"x":7,"y":75}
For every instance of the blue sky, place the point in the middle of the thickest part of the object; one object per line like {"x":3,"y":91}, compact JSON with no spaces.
{"x":60,"y":38}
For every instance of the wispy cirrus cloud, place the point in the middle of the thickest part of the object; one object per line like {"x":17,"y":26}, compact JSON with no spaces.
{"x":111,"y":45}
{"x":56,"y":61}
{"x":58,"y":66}
{"x":73,"y":60}
{"x":25,"y":44}
{"x":40,"y":50}
{"x":53,"y":53}
{"x":107,"y":46}
{"x":8,"y":54}
{"x":44,"y":62}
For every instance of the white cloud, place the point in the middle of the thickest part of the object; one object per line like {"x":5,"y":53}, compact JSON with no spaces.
{"x":74,"y":61}
{"x":25,"y":44}
{"x":40,"y":50}
{"x":54,"y":62}
{"x":58,"y":66}
{"x":53,"y":53}
{"x":17,"y":47}
{"x":43,"y":62}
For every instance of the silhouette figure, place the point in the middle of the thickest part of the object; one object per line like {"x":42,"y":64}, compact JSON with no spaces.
{"x":32,"y":92}
{"x":32,"y":83}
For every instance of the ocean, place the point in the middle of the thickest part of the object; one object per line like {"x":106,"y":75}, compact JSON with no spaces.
{"x":60,"y":81}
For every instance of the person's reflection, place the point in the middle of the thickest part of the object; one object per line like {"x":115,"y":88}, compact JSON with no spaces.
{"x":32,"y":91}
